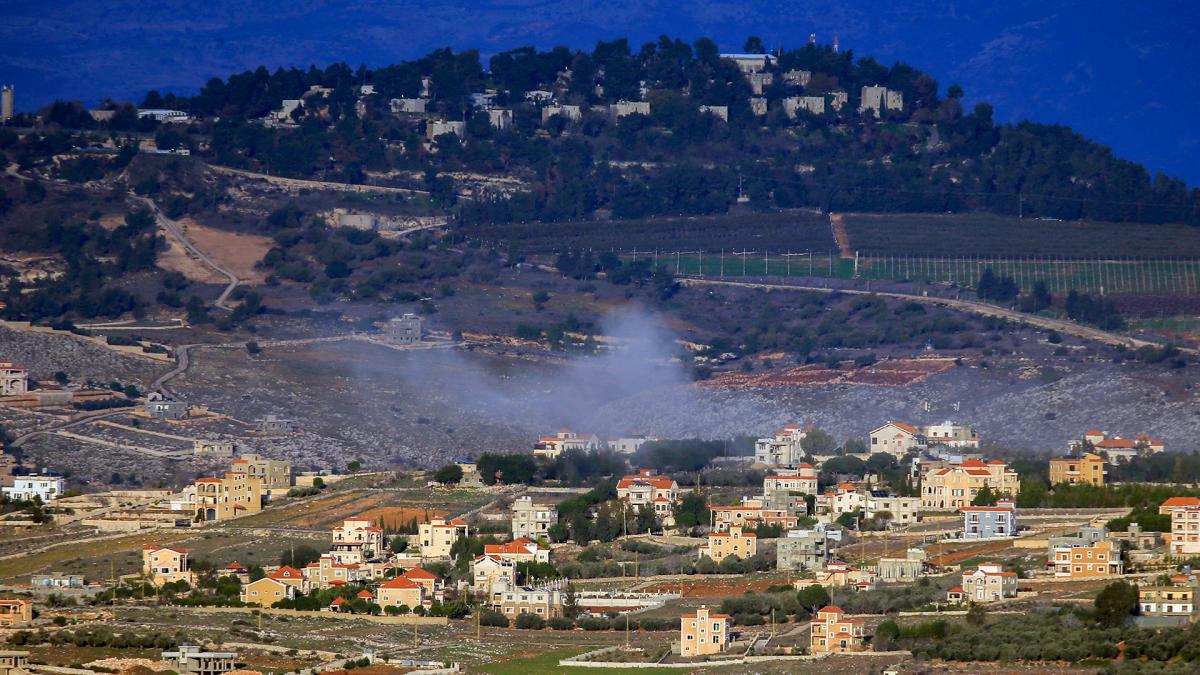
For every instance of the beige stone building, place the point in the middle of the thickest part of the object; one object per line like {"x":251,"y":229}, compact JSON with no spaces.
{"x":988,"y":583}
{"x":438,"y":536}
{"x":275,"y":473}
{"x":1185,"y":524}
{"x":734,"y":542}
{"x":237,"y":494}
{"x":401,"y":591}
{"x":356,"y":541}
{"x":1098,"y":559}
{"x":1088,"y":469}
{"x":16,"y":613}
{"x":165,"y":565}
{"x":833,"y":632}
{"x":955,"y":487}
{"x":703,"y":633}
{"x":266,"y":592}
{"x":541,"y":602}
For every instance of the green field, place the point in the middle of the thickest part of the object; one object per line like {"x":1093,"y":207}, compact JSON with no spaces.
{"x":992,"y":236}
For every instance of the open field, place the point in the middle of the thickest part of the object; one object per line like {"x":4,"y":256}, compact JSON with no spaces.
{"x":979,"y":234}
{"x":798,"y":230}
{"x":892,"y":373}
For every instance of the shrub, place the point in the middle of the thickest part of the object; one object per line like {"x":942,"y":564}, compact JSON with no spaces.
{"x":594,"y":623}
{"x":560,"y":623}
{"x":530,"y":621}
{"x":493,"y":618}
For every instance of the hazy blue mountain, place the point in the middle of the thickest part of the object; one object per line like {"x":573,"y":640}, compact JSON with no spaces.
{"x":1122,"y":73}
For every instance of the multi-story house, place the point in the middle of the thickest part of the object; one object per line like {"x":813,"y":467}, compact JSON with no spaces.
{"x":845,"y":498}
{"x":1185,"y":524}
{"x":519,"y":551}
{"x":327,"y":572}
{"x":16,"y":613}
{"x":896,"y":439}
{"x":275,"y":474}
{"x":490,"y":573}
{"x":734,"y":542}
{"x":903,"y":510}
{"x":628,"y":445}
{"x":783,"y":449}
{"x":1116,"y":448}
{"x":165,"y":565}
{"x":1088,"y":469}
{"x":1177,"y":599}
{"x":646,"y":488}
{"x":551,"y":447}
{"x":988,"y":583}
{"x":950,"y":435}
{"x":751,"y":513}
{"x":954,"y":487}
{"x":27,"y":488}
{"x":237,"y":494}
{"x":292,"y":577}
{"x":1083,"y":561}
{"x":532,"y":519}
{"x":703,"y":633}
{"x":434,"y":586}
{"x":438,"y":536}
{"x":357,"y":540}
{"x":401,"y":591}
{"x":802,"y":479}
{"x":838,"y":573}
{"x":879,"y":99}
{"x":803,"y":550}
{"x":542,"y":602}
{"x":266,"y":591}
{"x":833,"y":632}
{"x":985,"y":522}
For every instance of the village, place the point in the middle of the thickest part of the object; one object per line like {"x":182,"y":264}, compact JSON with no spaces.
{"x":819,"y":559}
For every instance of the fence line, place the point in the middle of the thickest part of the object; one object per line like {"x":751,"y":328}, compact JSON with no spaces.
{"x":1111,"y":275}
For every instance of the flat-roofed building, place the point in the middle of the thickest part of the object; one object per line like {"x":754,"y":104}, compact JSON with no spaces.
{"x":1088,"y":469}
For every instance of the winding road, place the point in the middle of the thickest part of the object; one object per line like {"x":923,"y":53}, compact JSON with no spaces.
{"x":177,"y":231}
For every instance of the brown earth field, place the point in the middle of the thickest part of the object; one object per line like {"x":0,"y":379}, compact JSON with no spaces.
{"x":890,"y":373}
{"x":234,"y":251}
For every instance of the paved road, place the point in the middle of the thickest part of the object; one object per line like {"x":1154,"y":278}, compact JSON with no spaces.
{"x":76,"y":420}
{"x":177,"y":231}
{"x":984,"y":309}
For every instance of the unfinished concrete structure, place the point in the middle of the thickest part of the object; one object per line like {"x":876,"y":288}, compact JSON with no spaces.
{"x":404,"y":330}
{"x":163,"y":408}
{"x":271,"y":424}
{"x":14,"y":379}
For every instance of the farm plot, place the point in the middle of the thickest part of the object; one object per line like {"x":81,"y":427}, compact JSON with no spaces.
{"x":891,"y":373}
{"x":798,"y":230}
{"x":987,"y":235}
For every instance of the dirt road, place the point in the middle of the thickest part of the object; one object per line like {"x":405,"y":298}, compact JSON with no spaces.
{"x":983,"y":309}
{"x":176,"y":231}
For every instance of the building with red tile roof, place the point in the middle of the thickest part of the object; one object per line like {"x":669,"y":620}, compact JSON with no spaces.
{"x":704,"y":633}
{"x":831,"y":631}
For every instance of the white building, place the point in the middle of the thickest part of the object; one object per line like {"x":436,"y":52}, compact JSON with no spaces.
{"x":904,"y":510}
{"x":783,"y":449}
{"x":811,"y":104}
{"x":435,"y":128}
{"x":571,"y":113}
{"x":622,"y":108}
{"x":163,"y":115}
{"x":408,"y":105}
{"x":749,"y":63}
{"x":951,"y":435}
{"x":25,"y":488}
{"x":801,"y":479}
{"x":721,"y":111}
{"x":553,"y":446}
{"x":628,"y":445}
{"x":286,"y":108}
{"x":878,"y":99}
{"x":500,"y":118}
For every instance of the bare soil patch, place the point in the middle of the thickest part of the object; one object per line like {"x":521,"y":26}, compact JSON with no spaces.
{"x":235,"y":251}
{"x":890,"y":373}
